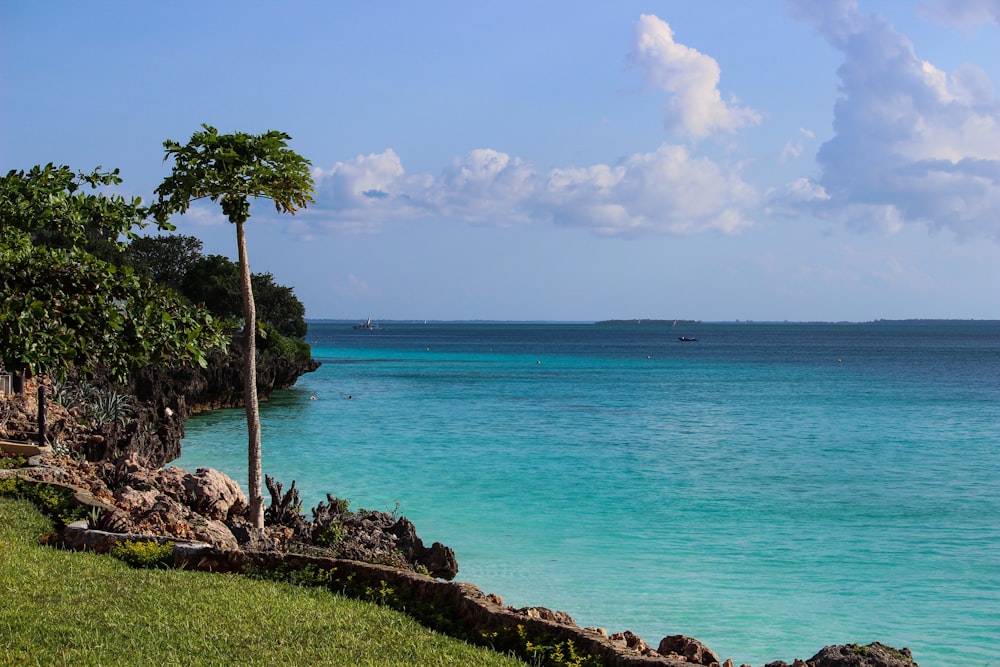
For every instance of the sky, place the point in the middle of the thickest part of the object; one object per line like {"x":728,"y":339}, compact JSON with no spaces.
{"x":566,"y":160}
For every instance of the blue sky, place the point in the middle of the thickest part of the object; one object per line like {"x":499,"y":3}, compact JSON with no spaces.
{"x":558,"y":160}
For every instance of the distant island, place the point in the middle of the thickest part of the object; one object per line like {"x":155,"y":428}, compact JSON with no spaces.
{"x":645,"y":321}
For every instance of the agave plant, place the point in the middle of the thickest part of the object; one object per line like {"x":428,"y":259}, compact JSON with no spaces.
{"x":110,"y":408}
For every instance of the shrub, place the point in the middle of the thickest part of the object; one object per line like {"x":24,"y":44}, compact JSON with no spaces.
{"x":13,"y":461}
{"x":56,"y":502}
{"x":149,"y":555}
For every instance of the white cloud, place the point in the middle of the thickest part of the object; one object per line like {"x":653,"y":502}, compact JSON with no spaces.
{"x":663,"y":192}
{"x":912,"y":144}
{"x":354,"y":287}
{"x":359,"y":194}
{"x":792,"y":150}
{"x":666,"y":191}
{"x":483,"y":185}
{"x":696,"y":108}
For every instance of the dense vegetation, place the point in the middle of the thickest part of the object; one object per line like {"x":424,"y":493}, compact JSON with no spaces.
{"x":82,"y":293}
{"x":65,"y":303}
{"x":176,"y":261}
{"x":67,"y":608}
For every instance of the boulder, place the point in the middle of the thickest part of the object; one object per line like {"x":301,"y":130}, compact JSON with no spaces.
{"x":633,"y":642}
{"x":690,"y":649}
{"x":215,"y":533}
{"x":853,"y":655}
{"x":213,"y":494}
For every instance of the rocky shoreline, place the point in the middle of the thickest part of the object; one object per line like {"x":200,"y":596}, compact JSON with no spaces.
{"x":130,"y":495}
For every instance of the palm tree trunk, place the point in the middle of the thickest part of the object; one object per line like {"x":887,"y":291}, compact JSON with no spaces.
{"x":250,"y":384}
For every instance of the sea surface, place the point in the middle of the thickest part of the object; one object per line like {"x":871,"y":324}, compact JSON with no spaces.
{"x":768,"y":489}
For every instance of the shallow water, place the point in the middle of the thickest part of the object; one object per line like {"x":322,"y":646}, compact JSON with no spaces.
{"x":769,"y":489}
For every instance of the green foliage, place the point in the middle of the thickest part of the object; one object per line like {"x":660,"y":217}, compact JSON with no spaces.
{"x":12,"y":460}
{"x":274,"y":343}
{"x":544,"y":651}
{"x":143,"y":554}
{"x":10,"y":487}
{"x":104,"y":407}
{"x":310,"y":575}
{"x":61,"y":306}
{"x":56,"y":502}
{"x":165,"y":259}
{"x":52,"y":207}
{"x":214,"y":280}
{"x":331,"y":535}
{"x":278,"y":306}
{"x":112,"y":409}
{"x":232,"y":169}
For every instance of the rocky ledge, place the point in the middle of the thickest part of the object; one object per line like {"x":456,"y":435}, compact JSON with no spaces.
{"x":208,"y":506}
{"x":147,"y":416}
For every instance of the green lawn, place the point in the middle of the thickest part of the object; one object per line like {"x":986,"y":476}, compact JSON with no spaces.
{"x":65,"y":608}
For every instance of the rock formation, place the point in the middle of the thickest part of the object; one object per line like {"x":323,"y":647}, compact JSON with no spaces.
{"x":853,"y":655}
{"x":148,"y":414}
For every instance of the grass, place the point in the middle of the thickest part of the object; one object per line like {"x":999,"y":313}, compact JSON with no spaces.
{"x":67,"y":608}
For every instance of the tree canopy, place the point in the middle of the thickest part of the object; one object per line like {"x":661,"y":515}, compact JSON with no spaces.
{"x":61,"y":305}
{"x":176,"y":261}
{"x":232,"y":169}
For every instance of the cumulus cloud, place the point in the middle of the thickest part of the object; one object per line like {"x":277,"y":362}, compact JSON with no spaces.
{"x":360,"y":193}
{"x":912,"y":143}
{"x":696,"y":108}
{"x":666,"y":191}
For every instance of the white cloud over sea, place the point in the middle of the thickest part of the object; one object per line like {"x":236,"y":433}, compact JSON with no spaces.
{"x":912,"y":144}
{"x":668,"y":190}
{"x":696,"y":108}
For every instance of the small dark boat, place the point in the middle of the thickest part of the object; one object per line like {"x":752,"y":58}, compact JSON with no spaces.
{"x":369,"y":325}
{"x":685,"y":339}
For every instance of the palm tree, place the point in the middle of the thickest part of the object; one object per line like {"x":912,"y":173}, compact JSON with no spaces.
{"x":232,"y":169}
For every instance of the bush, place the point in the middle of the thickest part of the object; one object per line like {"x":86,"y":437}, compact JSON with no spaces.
{"x":149,"y":555}
{"x":56,"y":502}
{"x":13,"y":460}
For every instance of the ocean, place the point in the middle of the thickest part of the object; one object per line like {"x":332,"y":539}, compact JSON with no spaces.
{"x":768,"y":489}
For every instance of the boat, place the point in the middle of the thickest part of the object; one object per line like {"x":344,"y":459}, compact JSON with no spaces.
{"x":685,"y":339}
{"x":366,"y":325}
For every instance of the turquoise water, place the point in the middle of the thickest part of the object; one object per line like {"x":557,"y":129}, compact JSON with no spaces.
{"x":769,"y":489}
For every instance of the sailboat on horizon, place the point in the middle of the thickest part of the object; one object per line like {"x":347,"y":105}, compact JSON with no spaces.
{"x":369,"y":325}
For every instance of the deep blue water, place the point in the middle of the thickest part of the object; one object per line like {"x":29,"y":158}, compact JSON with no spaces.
{"x":769,"y":489}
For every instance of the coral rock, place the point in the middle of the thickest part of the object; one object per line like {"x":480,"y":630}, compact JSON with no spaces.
{"x":692,"y":650}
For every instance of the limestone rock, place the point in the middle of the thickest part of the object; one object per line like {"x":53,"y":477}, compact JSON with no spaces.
{"x":632,"y":641}
{"x":215,"y":533}
{"x":690,"y":649}
{"x":214,"y":494}
{"x":547,"y":614}
{"x":853,"y":655}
